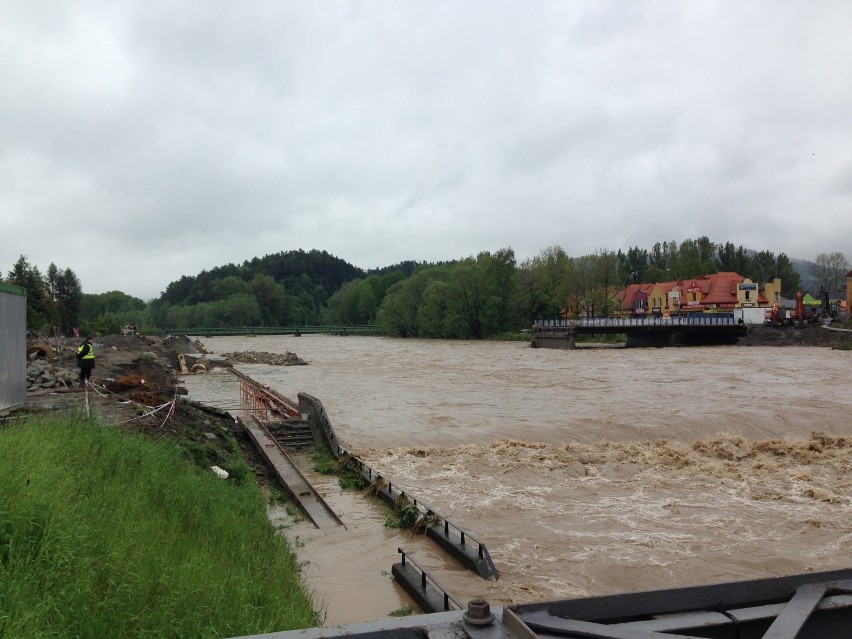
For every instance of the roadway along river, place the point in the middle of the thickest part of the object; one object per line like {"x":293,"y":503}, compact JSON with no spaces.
{"x":585,"y":472}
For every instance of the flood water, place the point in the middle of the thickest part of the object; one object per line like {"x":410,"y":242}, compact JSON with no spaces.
{"x":585,"y":472}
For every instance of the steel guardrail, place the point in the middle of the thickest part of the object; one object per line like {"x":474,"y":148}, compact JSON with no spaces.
{"x":338,"y":450}
{"x":425,"y":579}
{"x":482,"y":549}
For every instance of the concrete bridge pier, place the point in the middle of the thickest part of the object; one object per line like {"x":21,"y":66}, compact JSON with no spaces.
{"x":562,"y":339}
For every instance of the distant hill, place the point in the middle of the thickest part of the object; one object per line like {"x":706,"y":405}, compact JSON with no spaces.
{"x":317,"y":273}
{"x":803,"y":268}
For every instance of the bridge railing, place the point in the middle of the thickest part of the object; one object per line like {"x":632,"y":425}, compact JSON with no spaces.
{"x":610,"y":322}
{"x":425,"y":578}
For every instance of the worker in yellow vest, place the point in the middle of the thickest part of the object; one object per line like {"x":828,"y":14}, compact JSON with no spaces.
{"x":86,"y":359}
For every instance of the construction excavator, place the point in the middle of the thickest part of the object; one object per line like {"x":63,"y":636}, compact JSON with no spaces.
{"x":799,"y":316}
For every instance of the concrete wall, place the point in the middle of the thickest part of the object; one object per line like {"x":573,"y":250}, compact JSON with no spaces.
{"x":13,"y":348}
{"x":312,"y":410}
{"x":562,"y":342}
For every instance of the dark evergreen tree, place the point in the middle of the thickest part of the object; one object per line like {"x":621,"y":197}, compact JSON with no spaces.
{"x":38,"y":303}
{"x":177,"y":292}
{"x":732,"y":259}
{"x":791,"y":281}
{"x":633,"y":266}
{"x":406,"y":268}
{"x":762,"y":267}
{"x":68,"y":296}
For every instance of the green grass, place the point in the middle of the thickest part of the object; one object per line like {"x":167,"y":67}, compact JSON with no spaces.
{"x":349,"y":480}
{"x":106,"y":534}
{"x":324,"y":462}
{"x":403,"y":516}
{"x":406,"y":611}
{"x":511,"y":336}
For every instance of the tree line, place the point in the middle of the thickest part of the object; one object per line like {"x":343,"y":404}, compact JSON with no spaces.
{"x":471,"y":298}
{"x":53,"y":298}
{"x":492,"y":294}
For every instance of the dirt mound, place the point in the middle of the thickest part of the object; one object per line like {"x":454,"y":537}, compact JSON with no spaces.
{"x":810,"y":335}
{"x":259,"y":357}
{"x":132,"y":381}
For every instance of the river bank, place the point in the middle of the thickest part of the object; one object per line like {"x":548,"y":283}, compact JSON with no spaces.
{"x":809,"y":335}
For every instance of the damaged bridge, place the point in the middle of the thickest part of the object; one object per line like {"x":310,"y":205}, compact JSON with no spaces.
{"x":275,"y":423}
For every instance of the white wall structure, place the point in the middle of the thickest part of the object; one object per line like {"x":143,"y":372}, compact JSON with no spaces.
{"x":750,"y":315}
{"x":13,"y":348}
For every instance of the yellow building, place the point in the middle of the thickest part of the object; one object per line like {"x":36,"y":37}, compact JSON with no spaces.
{"x":708,"y":293}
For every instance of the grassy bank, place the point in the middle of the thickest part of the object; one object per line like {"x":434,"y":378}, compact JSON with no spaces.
{"x":105,"y":534}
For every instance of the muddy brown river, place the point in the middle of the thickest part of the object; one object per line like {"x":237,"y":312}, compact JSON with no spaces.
{"x":585,"y":472}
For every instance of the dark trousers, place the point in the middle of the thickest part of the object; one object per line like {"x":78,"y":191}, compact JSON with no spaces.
{"x":86,"y":366}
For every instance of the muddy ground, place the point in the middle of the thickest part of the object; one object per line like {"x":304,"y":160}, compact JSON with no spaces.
{"x":809,"y":335}
{"x":135,"y":386}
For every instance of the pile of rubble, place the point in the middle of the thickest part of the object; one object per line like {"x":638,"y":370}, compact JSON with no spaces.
{"x":44,"y":374}
{"x":257,"y":357}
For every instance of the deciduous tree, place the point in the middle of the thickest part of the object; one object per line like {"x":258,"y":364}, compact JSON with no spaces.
{"x":829,"y":270}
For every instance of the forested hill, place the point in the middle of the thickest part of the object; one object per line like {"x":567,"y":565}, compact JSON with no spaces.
{"x":284,"y":289}
{"x":289,"y":288}
{"x":298,"y":271}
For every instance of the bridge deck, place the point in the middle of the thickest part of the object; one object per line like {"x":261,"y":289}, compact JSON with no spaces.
{"x":646,"y":331}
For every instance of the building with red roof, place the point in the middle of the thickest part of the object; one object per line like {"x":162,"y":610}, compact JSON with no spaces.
{"x":717,"y":292}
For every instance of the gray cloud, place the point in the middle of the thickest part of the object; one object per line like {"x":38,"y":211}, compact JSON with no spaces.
{"x":147,"y":141}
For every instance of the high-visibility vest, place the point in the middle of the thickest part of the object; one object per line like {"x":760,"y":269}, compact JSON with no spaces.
{"x":90,"y":354}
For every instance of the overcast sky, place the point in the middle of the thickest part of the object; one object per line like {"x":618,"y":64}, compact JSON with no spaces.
{"x":143,"y":141}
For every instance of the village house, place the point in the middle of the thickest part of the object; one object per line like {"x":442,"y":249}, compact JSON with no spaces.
{"x":718,"y":292}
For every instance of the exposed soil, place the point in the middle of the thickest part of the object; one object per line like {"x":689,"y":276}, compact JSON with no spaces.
{"x":810,"y":335}
{"x":135,"y":386}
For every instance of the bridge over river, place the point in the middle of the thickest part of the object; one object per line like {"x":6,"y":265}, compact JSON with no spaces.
{"x":298,"y":331}
{"x":645,"y":331}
